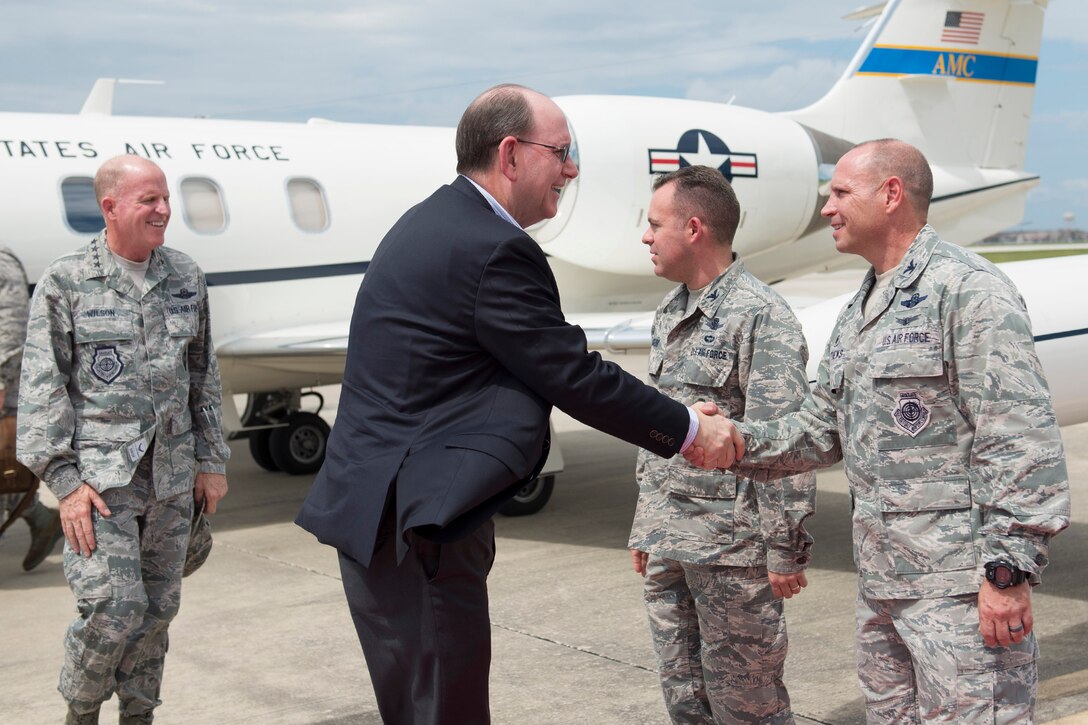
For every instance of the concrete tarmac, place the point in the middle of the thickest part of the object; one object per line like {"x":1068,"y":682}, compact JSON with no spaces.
{"x":264,"y":634}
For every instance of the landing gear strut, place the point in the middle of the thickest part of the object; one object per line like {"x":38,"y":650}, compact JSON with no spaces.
{"x":283,"y":437}
{"x":532,"y":497}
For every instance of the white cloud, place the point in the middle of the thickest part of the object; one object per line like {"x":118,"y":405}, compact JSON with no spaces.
{"x":789,"y":86}
{"x":1066,"y":20}
{"x":1071,"y":120}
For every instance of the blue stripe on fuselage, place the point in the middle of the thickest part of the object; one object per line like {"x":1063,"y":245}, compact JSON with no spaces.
{"x":251,"y":276}
{"x":1060,"y":335}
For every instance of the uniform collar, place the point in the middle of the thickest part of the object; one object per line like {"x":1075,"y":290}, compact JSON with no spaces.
{"x":98,"y":263}
{"x":917,"y":258}
{"x":910,"y":269}
{"x":713,"y":294}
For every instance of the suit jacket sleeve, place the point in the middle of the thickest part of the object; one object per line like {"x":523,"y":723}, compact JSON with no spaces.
{"x":519,"y":322}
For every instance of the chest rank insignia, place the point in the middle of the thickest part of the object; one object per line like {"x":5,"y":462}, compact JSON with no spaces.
{"x":107,"y":364}
{"x":910,"y":413}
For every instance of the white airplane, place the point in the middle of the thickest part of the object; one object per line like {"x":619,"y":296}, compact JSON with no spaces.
{"x":284,"y":217}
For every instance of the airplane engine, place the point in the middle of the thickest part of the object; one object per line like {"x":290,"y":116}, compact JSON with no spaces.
{"x":624,"y":142}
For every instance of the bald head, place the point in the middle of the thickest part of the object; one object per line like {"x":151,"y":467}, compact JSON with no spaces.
{"x":884,"y":158}
{"x":135,"y":202}
{"x":110,"y":178}
{"x":501,"y":111}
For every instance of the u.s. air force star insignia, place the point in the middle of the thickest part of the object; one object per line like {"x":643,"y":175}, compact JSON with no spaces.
{"x":910,"y":413}
{"x":107,"y":364}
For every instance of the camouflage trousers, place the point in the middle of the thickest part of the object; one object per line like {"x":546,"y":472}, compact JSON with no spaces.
{"x":720,"y":638}
{"x":924,"y":661}
{"x":127,"y":592}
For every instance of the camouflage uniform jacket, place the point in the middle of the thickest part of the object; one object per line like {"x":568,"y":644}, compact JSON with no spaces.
{"x":14,"y":306}
{"x":742,"y":349}
{"x":108,"y":372}
{"x":937,"y":404}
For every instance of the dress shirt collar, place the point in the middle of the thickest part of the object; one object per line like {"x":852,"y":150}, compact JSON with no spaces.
{"x":494,"y":204}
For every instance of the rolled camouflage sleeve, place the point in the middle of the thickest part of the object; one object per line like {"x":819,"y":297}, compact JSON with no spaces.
{"x":1019,"y":478}
{"x":46,"y":415}
{"x":205,"y":395}
{"x":773,"y":378}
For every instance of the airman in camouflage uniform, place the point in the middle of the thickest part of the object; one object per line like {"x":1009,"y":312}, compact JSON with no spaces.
{"x":44,"y":522}
{"x":931,"y":392}
{"x":705,"y":540}
{"x":119,"y":415}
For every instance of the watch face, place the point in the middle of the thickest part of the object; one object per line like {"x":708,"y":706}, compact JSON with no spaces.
{"x":1002,"y":576}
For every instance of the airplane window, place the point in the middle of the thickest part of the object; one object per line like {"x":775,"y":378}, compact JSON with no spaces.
{"x":202,"y":204}
{"x":308,"y":207}
{"x":80,"y":208}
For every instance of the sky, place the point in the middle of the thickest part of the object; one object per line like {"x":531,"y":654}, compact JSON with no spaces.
{"x":422,"y":61}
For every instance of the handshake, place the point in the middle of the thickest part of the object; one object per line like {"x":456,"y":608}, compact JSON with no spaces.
{"x":718,"y":443}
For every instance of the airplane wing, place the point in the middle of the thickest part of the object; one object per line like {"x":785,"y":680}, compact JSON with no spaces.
{"x":615,"y":332}
{"x":301,"y":356}
{"x":324,"y":339}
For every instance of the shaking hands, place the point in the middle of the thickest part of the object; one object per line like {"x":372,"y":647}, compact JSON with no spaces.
{"x":718,"y":444}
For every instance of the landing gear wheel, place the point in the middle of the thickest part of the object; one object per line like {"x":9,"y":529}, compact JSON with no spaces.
{"x":299,"y":447}
{"x":258,"y":448}
{"x":532,"y":497}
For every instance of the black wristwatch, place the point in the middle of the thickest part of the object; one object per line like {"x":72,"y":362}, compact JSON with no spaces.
{"x":1003,"y":575}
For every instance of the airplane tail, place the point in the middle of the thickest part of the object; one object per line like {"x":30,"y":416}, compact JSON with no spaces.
{"x":956,"y":78}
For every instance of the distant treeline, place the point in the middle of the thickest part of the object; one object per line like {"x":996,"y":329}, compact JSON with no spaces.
{"x":1048,"y":236}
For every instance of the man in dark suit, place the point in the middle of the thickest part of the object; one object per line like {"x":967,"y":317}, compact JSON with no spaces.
{"x":458,"y":350}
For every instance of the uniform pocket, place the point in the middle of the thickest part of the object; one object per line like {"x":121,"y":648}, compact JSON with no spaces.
{"x":182,"y":324}
{"x":701,"y":504}
{"x":691,"y":481}
{"x":707,"y":367}
{"x":928,"y":523}
{"x":912,"y":397}
{"x":105,"y":353}
{"x":89,"y":577}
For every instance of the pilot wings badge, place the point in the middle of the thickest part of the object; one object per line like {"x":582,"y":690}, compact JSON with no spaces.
{"x":910,"y":413}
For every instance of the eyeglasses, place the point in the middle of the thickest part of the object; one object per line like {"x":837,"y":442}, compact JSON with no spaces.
{"x":563,"y":152}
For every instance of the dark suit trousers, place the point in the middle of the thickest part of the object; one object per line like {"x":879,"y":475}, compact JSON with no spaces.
{"x":424,"y":627}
